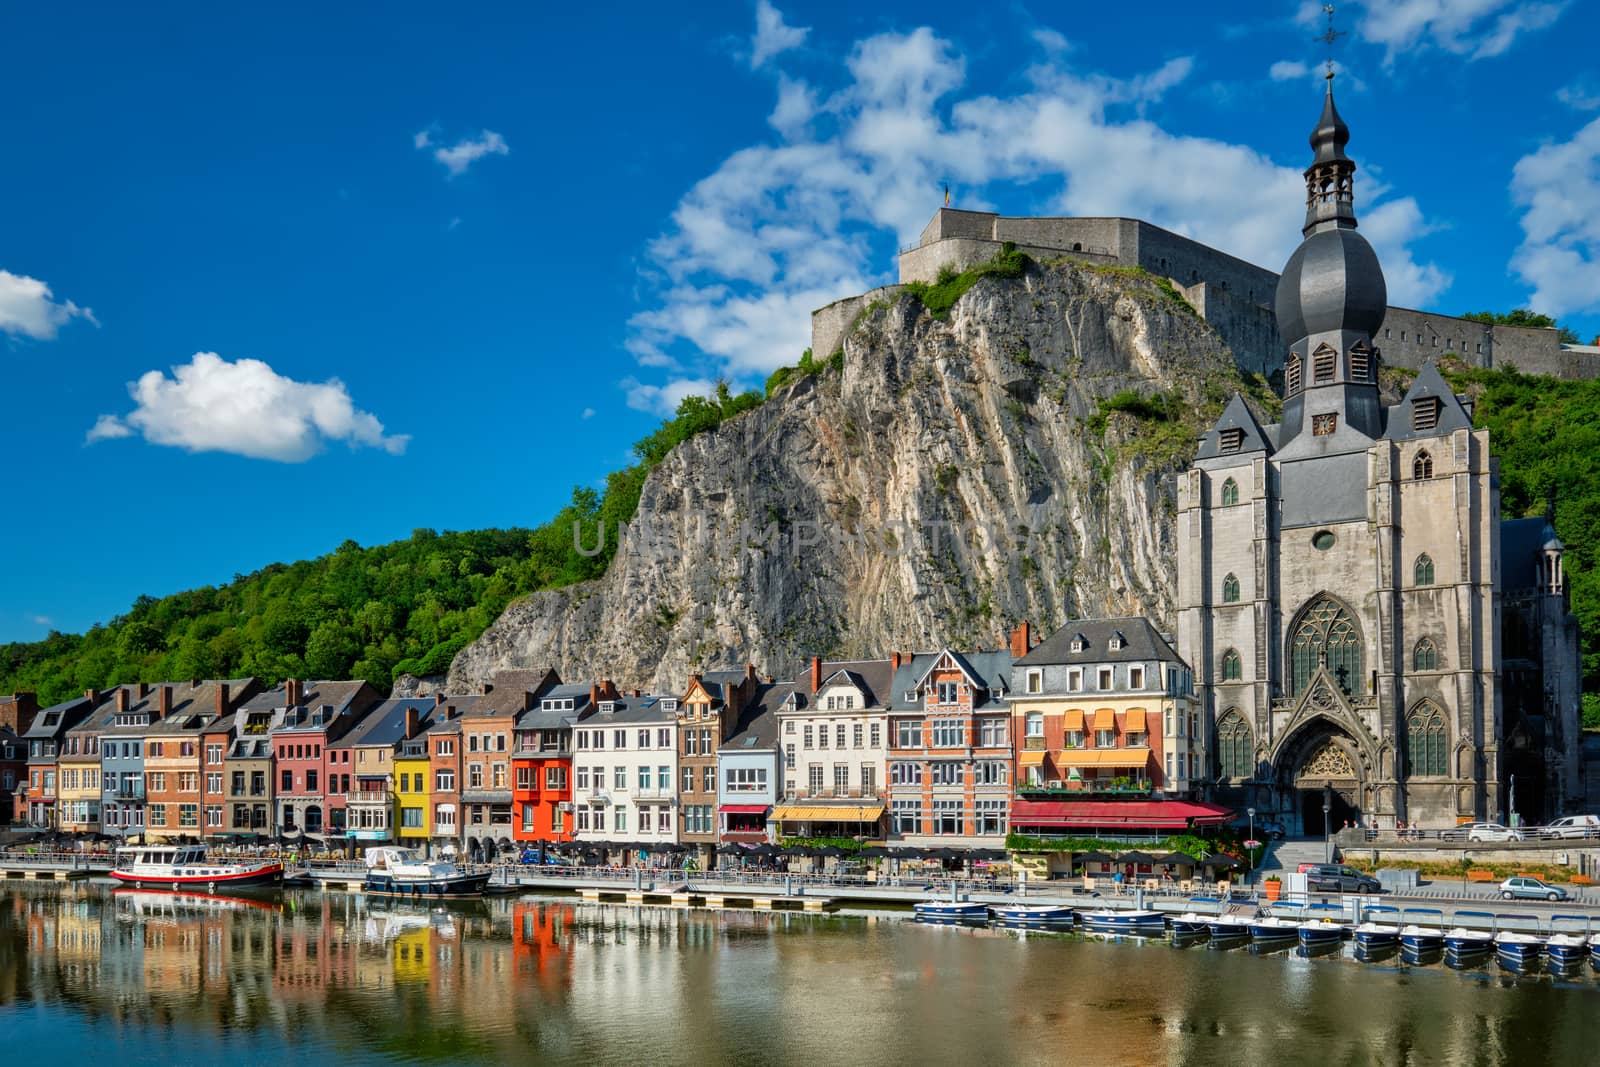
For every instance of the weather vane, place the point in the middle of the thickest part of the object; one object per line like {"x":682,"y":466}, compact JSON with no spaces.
{"x":1329,"y":37}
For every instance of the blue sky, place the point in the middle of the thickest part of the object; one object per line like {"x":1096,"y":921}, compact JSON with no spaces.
{"x":274,"y":278}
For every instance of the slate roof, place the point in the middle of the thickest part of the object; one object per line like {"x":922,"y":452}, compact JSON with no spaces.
{"x":991,"y":672}
{"x":385,"y":725}
{"x":1428,"y":383}
{"x":541,"y":718}
{"x":757,"y":729}
{"x":57,"y":719}
{"x":874,"y":677}
{"x":511,"y":691}
{"x":1144,"y":643}
{"x":629,"y":711}
{"x":308,"y":714}
{"x":1236,"y":416}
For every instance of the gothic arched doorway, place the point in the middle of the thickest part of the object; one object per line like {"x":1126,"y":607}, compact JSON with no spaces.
{"x":1325,"y":783}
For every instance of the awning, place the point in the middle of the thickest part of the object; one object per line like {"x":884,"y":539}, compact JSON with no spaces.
{"x":1105,"y":719}
{"x":743,"y":809}
{"x":1103,"y":757}
{"x":1031,"y":758}
{"x":828,"y":812}
{"x":1133,"y":722}
{"x":1113,"y":814}
{"x":1072,"y":721}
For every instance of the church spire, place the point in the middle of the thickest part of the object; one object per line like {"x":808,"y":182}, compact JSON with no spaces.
{"x":1330,"y":200}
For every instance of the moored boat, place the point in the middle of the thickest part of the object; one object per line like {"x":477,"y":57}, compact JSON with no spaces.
{"x":1568,"y":948}
{"x":1191,"y":924}
{"x":1228,"y":927}
{"x":951,"y":911}
{"x":1422,"y":936}
{"x":1518,"y":951}
{"x":400,"y":872}
{"x":1124,"y":920}
{"x":1466,"y":942}
{"x":1043,"y":913}
{"x":1322,"y":929}
{"x":189,"y":867}
{"x":1277,"y":927}
{"x":1375,"y":934}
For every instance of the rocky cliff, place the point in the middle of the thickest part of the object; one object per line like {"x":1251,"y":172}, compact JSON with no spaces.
{"x":959,"y":473}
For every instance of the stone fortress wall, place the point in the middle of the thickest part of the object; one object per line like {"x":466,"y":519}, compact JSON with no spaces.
{"x":1234,"y":296}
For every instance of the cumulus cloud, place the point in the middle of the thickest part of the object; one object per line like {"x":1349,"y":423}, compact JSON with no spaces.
{"x":28,"y":308}
{"x":1285,"y":70}
{"x":779,"y":229}
{"x":588,"y":413}
{"x":464,"y":153}
{"x":664,"y":399}
{"x":1581,"y":95}
{"x":1476,"y":29}
{"x":246,"y":408}
{"x":773,"y":36}
{"x":1558,"y":189}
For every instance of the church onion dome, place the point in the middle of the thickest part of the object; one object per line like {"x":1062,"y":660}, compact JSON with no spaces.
{"x":1332,"y":282}
{"x":1331,"y":135}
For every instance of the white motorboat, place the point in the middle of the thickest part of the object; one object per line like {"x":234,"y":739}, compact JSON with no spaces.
{"x":400,"y":872}
{"x":189,"y":867}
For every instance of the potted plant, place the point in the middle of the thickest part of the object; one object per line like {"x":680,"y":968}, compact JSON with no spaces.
{"x":1274,"y":886}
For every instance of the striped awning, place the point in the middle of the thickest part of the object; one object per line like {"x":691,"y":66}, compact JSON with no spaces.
{"x":1105,"y":719}
{"x":1103,"y":757}
{"x":828,"y":812}
{"x":1072,"y":721}
{"x":1133,"y":722}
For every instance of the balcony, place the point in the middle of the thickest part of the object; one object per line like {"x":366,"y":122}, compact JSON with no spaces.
{"x":367,"y":796}
{"x":1090,"y":786}
{"x":654,"y":792}
{"x":130,"y":792}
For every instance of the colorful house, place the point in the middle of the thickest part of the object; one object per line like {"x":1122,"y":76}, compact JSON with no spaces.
{"x":625,"y":773}
{"x":444,"y":772}
{"x":174,"y":756}
{"x":542,"y":763}
{"x":748,"y":772}
{"x":16,"y":716}
{"x":834,"y":742}
{"x":247,"y":771}
{"x":368,"y":783}
{"x":412,"y":791}
{"x":316,"y":715}
{"x":36,"y":805}
{"x":707,"y":714}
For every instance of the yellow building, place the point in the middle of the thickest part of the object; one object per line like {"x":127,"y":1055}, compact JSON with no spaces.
{"x":411,"y":790}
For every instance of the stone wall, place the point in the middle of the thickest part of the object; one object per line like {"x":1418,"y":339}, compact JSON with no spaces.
{"x":831,"y":324}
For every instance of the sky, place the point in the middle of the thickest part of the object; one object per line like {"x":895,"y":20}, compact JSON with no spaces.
{"x":275,"y":277}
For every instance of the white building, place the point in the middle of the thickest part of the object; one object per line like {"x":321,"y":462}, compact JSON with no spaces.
{"x":625,"y":767}
{"x":833,"y":739}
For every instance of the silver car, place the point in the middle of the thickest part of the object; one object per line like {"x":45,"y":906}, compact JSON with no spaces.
{"x":1482,"y":831}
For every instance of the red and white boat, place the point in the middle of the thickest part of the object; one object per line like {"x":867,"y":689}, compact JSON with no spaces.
{"x":187,"y":867}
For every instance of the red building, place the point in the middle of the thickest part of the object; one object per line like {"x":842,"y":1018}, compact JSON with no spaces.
{"x":315,"y":714}
{"x":542,"y":762}
{"x":16,"y":716}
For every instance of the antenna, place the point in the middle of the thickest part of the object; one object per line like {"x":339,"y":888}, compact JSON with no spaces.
{"x":1329,"y":37}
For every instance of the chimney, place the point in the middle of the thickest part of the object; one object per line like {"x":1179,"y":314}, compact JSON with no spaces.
{"x":527,"y":700}
{"x":750,"y":672}
{"x":637,"y":694}
{"x":143,"y":690}
{"x":292,"y":693}
{"x":594,"y":695}
{"x":411,"y":721}
{"x":222,"y":699}
{"x":92,"y":696}
{"x":438,"y":697}
{"x":163,"y":700}
{"x":451,"y":711}
{"x":488,"y":687}
{"x":1021,"y":640}
{"x":894,"y":661}
{"x":816,"y":673}
{"x":122,"y":698}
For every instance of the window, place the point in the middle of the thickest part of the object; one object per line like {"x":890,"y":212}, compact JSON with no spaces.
{"x":869,"y":779}
{"x":1135,"y":677}
{"x":1230,"y":590}
{"x":1105,"y":677}
{"x":213,"y":754}
{"x":688,"y":780}
{"x":555,"y":778}
{"x":474,"y":776}
{"x":1325,"y":632}
{"x":524,"y":779}
{"x":214,"y":782}
{"x":948,"y":692}
{"x":1425,"y":742}
{"x":945,"y":772}
{"x":1035,"y":683}
{"x":1232,"y":668}
{"x":908,"y":733}
{"x":877,"y":735}
{"x":808,"y":735}
{"x":598,"y":817}
{"x":472,"y":742}
{"x":158,"y":815}
{"x":822,"y":736}
{"x":691,"y":742}
{"x":1075,"y":680}
{"x":1230,"y":493}
{"x":1425,"y":413}
{"x":1230,"y":440}
{"x":583,"y":739}
{"x":663,"y":737}
{"x":644,"y":738}
{"x":1360,"y":362}
{"x":1423,"y":571}
{"x":841,"y":779}
{"x":947,"y":816}
{"x":1422,"y":466}
{"x":1424,"y":657}
{"x":1034,"y":724}
{"x":1322,"y":364}
{"x":582,"y":818}
{"x":991,"y":816}
{"x":949,"y":733}
{"x":1292,"y":372}
{"x":907,"y":816}
{"x":621,"y":822}
{"x":619,"y":777}
{"x":747,"y":780}
{"x":709,"y":779}
{"x":994,"y":732}
{"x":788,"y":757}
{"x":857,"y":736}
{"x":619,"y":739}
{"x":528,"y":811}
{"x":663,"y":778}
{"x":644,"y":779}
{"x":1235,"y":746}
{"x":814,"y":778}
{"x":597,"y":739}
{"x":444,"y":781}
{"x":905,"y":773}
{"x":990,"y":772}
{"x":838,"y":735}
{"x":1105,"y":739}
{"x":446,"y":748}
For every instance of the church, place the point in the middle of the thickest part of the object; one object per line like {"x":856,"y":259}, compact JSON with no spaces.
{"x":1370,"y":640}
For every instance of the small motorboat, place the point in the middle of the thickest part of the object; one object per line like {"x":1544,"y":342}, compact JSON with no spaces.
{"x":188,"y":867}
{"x":1277,"y":927}
{"x":1191,"y":924}
{"x":1038,"y":914}
{"x":1567,"y":949}
{"x":1518,"y":951}
{"x":400,"y":872}
{"x":1465,"y":942}
{"x":1374,"y":934}
{"x":1421,"y":936}
{"x":1594,"y":952}
{"x":1227,"y":928}
{"x":1124,"y":920}
{"x":1324,"y":929}
{"x":950,"y":911}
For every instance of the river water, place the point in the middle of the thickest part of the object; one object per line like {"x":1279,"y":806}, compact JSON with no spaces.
{"x":311,"y":978}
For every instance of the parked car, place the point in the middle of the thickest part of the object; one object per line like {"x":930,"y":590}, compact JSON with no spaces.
{"x":1273,"y":831}
{"x":1482,"y":831}
{"x":1572,"y":826}
{"x":1337,"y":878}
{"x":1527,"y":887}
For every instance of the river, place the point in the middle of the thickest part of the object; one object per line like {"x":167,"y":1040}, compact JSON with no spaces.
{"x":313,"y":978}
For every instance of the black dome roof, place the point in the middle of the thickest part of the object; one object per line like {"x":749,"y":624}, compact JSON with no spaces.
{"x":1332,"y":282}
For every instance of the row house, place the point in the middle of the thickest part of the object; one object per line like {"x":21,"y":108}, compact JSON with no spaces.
{"x":247,"y":771}
{"x":316,"y":715}
{"x":834,"y":738}
{"x":542,"y":759}
{"x":625,"y":772}
{"x":747,"y":768}
{"x":488,"y":738}
{"x":174,"y":767}
{"x":949,"y":758}
{"x":444,"y":770}
{"x":135,"y":709}
{"x":370,"y":790}
{"x":78,"y":772}
{"x":35,"y":804}
{"x":17,"y":711}
{"x":706,"y":716}
{"x":413,"y":789}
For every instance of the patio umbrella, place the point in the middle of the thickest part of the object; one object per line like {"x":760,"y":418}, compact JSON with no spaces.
{"x":874,"y":852}
{"x":988,"y":854}
{"x":1134,"y":856}
{"x":830,"y":850}
{"x":1223,"y":863}
{"x":1092,"y":856}
{"x":1178,"y":859}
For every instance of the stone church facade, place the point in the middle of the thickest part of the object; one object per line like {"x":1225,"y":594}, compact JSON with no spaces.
{"x":1346,"y":585}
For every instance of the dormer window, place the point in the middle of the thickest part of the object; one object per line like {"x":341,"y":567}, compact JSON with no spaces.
{"x":607,"y":707}
{"x":1292,"y":373}
{"x":669,"y":704}
{"x":1079,"y":644}
{"x":1322,"y":364}
{"x":1118,"y":642}
{"x":1230,"y":440}
{"x":1035,"y":680}
{"x":1425,"y":413}
{"x":1360,"y":362}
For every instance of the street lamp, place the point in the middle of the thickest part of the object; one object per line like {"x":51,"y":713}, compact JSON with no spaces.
{"x":1250,"y":845}
{"x":1327,"y":831}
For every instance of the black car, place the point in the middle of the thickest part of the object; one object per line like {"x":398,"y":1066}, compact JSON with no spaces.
{"x":1336,"y":878}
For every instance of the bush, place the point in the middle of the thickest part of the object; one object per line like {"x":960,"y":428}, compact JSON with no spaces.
{"x":942,"y":295}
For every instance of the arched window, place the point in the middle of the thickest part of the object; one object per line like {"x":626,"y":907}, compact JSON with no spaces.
{"x":1291,"y":374}
{"x":1232,"y":667}
{"x":1235,"y":746}
{"x":1424,"y":570}
{"x":1230,"y":590}
{"x":1230,"y":493}
{"x":1426,"y":742}
{"x":1424,"y":657}
{"x":1422,"y":466}
{"x":1325,"y":634}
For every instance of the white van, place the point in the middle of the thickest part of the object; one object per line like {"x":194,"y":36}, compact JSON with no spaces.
{"x":1573,"y":826}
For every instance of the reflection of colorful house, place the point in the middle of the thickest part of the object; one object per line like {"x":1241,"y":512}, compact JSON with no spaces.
{"x":541,"y":942}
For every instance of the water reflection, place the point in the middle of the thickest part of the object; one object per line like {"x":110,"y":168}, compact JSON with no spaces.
{"x":332,"y":978}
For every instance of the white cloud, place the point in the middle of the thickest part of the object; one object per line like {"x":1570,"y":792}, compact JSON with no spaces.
{"x":28,"y":310}
{"x":773,"y":36}
{"x":41,"y":620}
{"x":465,"y":152}
{"x":1476,"y":29}
{"x":797,"y":104}
{"x":246,"y":408}
{"x":664,"y":399}
{"x":1581,"y":95}
{"x":1285,"y":70}
{"x":588,"y":413}
{"x":1558,"y":188}
{"x":779,"y":229}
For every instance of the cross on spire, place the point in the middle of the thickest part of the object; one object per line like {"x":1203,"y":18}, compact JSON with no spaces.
{"x":1329,"y":37}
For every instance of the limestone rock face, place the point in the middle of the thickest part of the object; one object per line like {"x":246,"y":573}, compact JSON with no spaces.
{"x":950,"y":481}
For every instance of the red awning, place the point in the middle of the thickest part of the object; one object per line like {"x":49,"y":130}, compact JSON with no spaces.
{"x":743,"y":809}
{"x":1090,"y":814}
